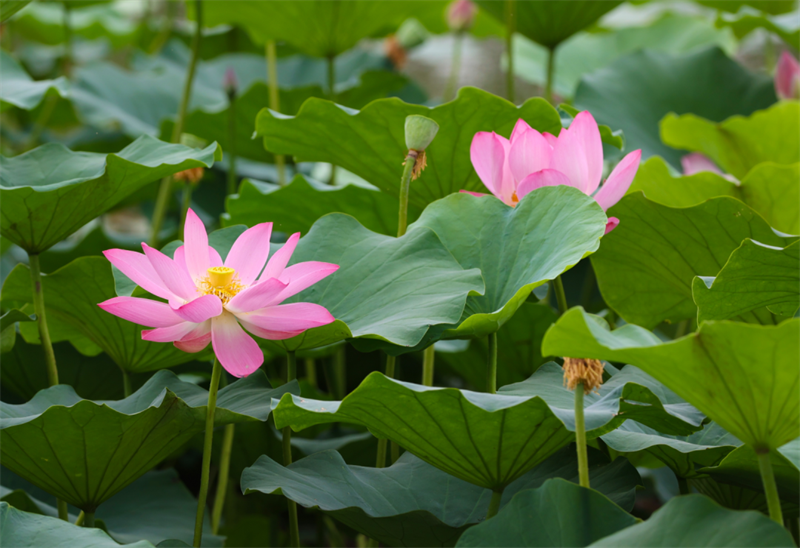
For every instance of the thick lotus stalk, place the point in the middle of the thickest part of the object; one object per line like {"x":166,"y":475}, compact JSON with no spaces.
{"x":787,"y":77}
{"x":294,"y":526}
{"x":419,"y":132}
{"x":230,"y":85}
{"x":582,"y":375}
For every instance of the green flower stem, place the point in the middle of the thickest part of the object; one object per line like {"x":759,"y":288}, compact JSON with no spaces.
{"x":340,"y":373}
{"x":332,"y":97}
{"x":491,"y":370}
{"x":455,"y":68}
{"x":164,"y":190}
{"x":405,"y":185}
{"x":232,"y":145}
{"x":63,"y":511}
{"x":311,"y":372}
{"x":561,"y":297}
{"x":41,"y":319}
{"x":510,"y":29}
{"x":80,"y":518}
{"x":274,"y":102}
{"x":380,"y":461}
{"x":589,"y":282}
{"x":88,"y":519}
{"x":68,"y":55}
{"x":126,"y":383}
{"x":580,"y":438}
{"x":294,"y":528}
{"x":166,"y":29}
{"x":494,"y":504}
{"x":770,"y":487}
{"x":548,"y":88}
{"x":224,"y":470}
{"x":207,"y":443}
{"x":186,"y":202}
{"x":428,"y":356}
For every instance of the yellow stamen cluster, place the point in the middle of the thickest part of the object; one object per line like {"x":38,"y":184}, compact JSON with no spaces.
{"x":420,"y":162}
{"x":222,"y":282}
{"x":586,"y":371}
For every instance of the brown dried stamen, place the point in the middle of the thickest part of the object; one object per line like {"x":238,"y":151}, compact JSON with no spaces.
{"x":589,"y":372}
{"x":420,"y":162}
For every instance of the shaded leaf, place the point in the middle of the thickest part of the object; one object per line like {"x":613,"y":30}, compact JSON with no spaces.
{"x":17,"y":88}
{"x":746,"y":20}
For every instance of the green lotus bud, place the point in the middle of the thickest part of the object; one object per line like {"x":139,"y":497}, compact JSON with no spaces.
{"x":420,"y":131}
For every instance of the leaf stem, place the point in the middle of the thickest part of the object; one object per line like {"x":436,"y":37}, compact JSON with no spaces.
{"x":683,"y":486}
{"x":311,"y":372}
{"x":63,"y":510}
{"x":224,"y":470}
{"x":186,"y":202}
{"x":380,"y":461}
{"x":770,"y":487}
{"x":428,"y":356}
{"x":274,"y":102}
{"x":580,"y":437}
{"x":232,"y":180}
{"x":207,"y":446}
{"x":80,"y":518}
{"x":455,"y":68}
{"x":340,"y":373}
{"x":494,"y":503}
{"x":405,"y":186}
{"x":491,"y":376}
{"x":164,"y":190}
{"x":510,"y":29}
{"x":68,"y":55}
{"x":88,"y":519}
{"x":294,"y":526}
{"x":332,"y":97}
{"x":126,"y":384}
{"x":41,"y":319}
{"x":561,"y":297}
{"x":548,"y":87}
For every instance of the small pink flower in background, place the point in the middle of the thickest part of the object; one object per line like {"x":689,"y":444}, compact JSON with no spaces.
{"x":787,"y":77}
{"x":697,"y":162}
{"x":210,"y":301}
{"x":512,"y":168}
{"x":461,"y":14}
{"x":229,"y":82}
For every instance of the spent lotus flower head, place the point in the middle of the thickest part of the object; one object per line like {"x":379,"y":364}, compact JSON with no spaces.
{"x":787,"y":77}
{"x":208,"y":300}
{"x":461,"y":15}
{"x":512,"y":168}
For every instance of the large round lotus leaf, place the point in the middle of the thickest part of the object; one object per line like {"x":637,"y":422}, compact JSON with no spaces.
{"x":770,"y":189}
{"x":756,"y":275}
{"x":298,"y":205}
{"x":486,"y":439}
{"x":17,"y":88}
{"x":646,"y":265}
{"x":628,"y":395}
{"x":536,"y":518}
{"x":550,"y":23}
{"x":636,"y":91}
{"x":516,"y":248}
{"x":371,"y":142}
{"x":697,"y":521}
{"x":753,"y":366}
{"x":411,"y":503}
{"x":705,"y":448}
{"x":87,"y":451}
{"x":25,"y":530}
{"x":589,"y":51}
{"x":738,"y":144}
{"x":50,"y":192}
{"x":389,"y":289}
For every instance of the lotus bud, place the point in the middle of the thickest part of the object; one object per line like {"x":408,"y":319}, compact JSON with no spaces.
{"x":229,"y":83}
{"x":420,"y":131}
{"x":787,"y":77}
{"x":461,"y":15}
{"x":586,"y":371}
{"x":411,"y":34}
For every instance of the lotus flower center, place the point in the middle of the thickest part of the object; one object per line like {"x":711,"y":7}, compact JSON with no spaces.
{"x":514,"y":199}
{"x":222,"y":282}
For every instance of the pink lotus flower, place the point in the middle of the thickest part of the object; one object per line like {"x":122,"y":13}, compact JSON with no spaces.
{"x":787,"y":77}
{"x":697,"y":162}
{"x":461,"y":14}
{"x":511,"y":169}
{"x":210,"y":301}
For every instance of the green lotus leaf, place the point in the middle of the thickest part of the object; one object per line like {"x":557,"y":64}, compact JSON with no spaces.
{"x":630,"y":394}
{"x":135,"y":513}
{"x":13,"y":316}
{"x":87,"y":451}
{"x":10,"y":7}
{"x":739,"y":143}
{"x":389,"y":289}
{"x":646,"y":265}
{"x":519,"y":345}
{"x":755,"y":276}
{"x":412,"y":503}
{"x":740,"y":498}
{"x":535,"y":518}
{"x":695,"y":520}
{"x":681,"y":453}
{"x":17,"y":88}
{"x":588,"y":51}
{"x":751,"y":365}
{"x":71,"y":297}
{"x":27,"y":530}
{"x":371,"y":142}
{"x":50,"y":192}
{"x":297,"y":206}
{"x":550,"y":23}
{"x":486,"y":439}
{"x":516,"y":248}
{"x":768,"y":188}
{"x":746,"y":20}
{"x":740,"y":467}
{"x":655,"y":84}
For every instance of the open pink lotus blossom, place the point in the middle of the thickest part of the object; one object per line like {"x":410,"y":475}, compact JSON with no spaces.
{"x":697,"y":162}
{"x":210,"y":301}
{"x":511,"y":168}
{"x":787,"y":77}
